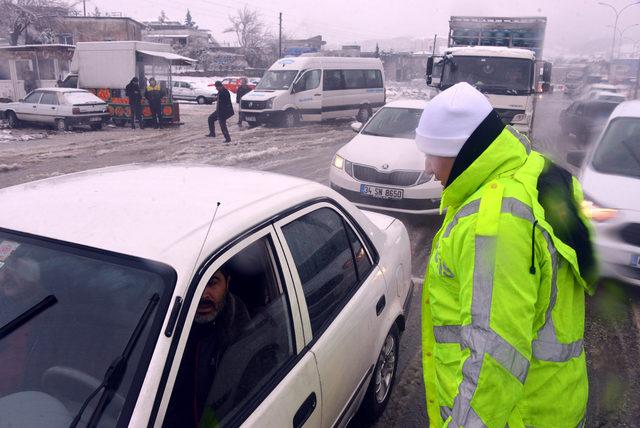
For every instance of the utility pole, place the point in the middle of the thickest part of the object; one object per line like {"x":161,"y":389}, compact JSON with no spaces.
{"x":84,"y":7}
{"x":280,"y":38}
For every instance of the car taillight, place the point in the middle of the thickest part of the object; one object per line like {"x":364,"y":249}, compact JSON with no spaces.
{"x":75,"y":110}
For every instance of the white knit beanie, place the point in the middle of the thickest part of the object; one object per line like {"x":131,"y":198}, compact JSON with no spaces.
{"x":450,"y":118}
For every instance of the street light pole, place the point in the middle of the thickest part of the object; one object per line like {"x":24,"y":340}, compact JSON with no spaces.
{"x":615,"y":24}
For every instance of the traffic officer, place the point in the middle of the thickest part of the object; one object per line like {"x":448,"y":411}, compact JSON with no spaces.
{"x":154,"y":94}
{"x":504,"y":292}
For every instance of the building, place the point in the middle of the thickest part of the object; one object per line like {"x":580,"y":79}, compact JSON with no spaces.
{"x":73,"y":29}
{"x":403,"y":66}
{"x":291,"y":47}
{"x":176,"y":34}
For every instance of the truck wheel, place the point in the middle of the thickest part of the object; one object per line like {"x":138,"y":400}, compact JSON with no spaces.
{"x":201,"y":100}
{"x":12,"y":119}
{"x":363,"y":114}
{"x":290,"y":119}
{"x":62,"y":125}
{"x":383,"y":378}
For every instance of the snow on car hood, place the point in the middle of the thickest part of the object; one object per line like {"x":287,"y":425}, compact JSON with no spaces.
{"x":396,"y":153}
{"x":611,"y":191}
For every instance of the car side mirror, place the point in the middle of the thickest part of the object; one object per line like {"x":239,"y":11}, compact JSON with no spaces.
{"x":356,"y":127}
{"x":576,"y":157}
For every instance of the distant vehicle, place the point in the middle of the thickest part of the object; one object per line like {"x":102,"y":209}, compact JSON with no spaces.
{"x":191,"y":91}
{"x":63,"y":108}
{"x":254,"y":81}
{"x":599,"y":95}
{"x":308,"y":89}
{"x":575,"y":79}
{"x":610,"y":178}
{"x":110,"y":266}
{"x":233,"y":83}
{"x":600,"y":87}
{"x":586,"y":119}
{"x":382,"y":168}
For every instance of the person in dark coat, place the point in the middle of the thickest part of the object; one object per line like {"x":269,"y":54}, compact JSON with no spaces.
{"x":132,"y":90}
{"x":243,"y":89}
{"x":154,"y":94}
{"x":219,"y":321}
{"x":224,"y":110}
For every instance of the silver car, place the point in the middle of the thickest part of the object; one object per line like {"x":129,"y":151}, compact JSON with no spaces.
{"x":62,"y":107}
{"x":190,"y":91}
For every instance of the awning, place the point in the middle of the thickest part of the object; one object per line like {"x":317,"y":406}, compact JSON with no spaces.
{"x":174,"y":59}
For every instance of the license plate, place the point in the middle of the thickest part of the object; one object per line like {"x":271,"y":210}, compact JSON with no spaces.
{"x":381,"y":192}
{"x":250,"y":118}
{"x":96,"y":119}
{"x":635,"y":261}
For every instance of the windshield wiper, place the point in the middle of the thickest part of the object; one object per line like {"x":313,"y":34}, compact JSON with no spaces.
{"x":115,"y":372}
{"x":27,"y":315}
{"x":373,"y":134}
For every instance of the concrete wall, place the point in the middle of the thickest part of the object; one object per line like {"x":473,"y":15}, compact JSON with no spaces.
{"x":90,"y":29}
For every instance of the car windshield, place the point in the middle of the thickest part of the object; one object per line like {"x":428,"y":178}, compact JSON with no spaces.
{"x":278,"y":79}
{"x":55,"y":358}
{"x":497,"y":75}
{"x":618,"y":152}
{"x":394,"y":122}
{"x":81,"y":97}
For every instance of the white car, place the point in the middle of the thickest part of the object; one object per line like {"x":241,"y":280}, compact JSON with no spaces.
{"x":610,"y":178}
{"x":102,"y":273}
{"x":191,"y":91}
{"x":382,"y":167}
{"x":62,"y":107}
{"x":598,"y":95}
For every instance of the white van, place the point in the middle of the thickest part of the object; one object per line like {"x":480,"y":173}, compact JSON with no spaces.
{"x":311,"y":89}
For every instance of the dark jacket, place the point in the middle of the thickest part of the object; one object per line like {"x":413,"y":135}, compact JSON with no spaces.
{"x":241,"y":92}
{"x":132,"y":90}
{"x":224,"y":107}
{"x":154,"y":94}
{"x":205,"y":347}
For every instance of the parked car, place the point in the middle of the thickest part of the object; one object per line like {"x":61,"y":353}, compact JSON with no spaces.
{"x":610,"y":179}
{"x":381,"y":167}
{"x":586,"y":119}
{"x":62,"y":107}
{"x":597,"y":95}
{"x":191,"y":91}
{"x":105,"y":283}
{"x":233,"y":83}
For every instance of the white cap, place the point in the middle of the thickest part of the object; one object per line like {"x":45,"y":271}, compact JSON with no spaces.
{"x":449,"y":119}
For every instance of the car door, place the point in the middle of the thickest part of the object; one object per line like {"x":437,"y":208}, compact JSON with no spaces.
{"x":177,"y":90}
{"x":333,"y":88}
{"x":264,"y":375}
{"x":344,"y":292}
{"x":189,"y":90}
{"x":27,"y":110}
{"x":308,"y":95}
{"x":48,"y":107}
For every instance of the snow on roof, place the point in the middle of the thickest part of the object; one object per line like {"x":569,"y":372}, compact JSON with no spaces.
{"x":494,"y":51}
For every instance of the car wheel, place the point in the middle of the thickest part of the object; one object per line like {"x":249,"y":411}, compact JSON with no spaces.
{"x":363,"y":114}
{"x":384,"y":376}
{"x":201,"y":100}
{"x":96,"y":126}
{"x":290,"y":119}
{"x":12,"y":119}
{"x":62,"y":125}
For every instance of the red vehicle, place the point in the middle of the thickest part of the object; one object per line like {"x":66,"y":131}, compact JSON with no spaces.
{"x":232,"y":83}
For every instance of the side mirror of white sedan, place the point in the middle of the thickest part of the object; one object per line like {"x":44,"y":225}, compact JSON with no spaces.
{"x":356,"y":127}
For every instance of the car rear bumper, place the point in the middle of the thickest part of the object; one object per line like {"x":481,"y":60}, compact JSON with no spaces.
{"x":87,"y":119}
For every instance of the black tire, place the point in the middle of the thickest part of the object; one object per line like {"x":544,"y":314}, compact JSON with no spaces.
{"x":62,"y":125}
{"x":96,"y":126}
{"x":12,"y":119}
{"x":201,"y":100}
{"x":375,"y":400}
{"x":289,"y":119}
{"x":364,"y":114}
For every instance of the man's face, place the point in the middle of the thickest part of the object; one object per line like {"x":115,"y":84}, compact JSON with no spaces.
{"x":440,"y":166}
{"x":152,"y":82}
{"x":212,"y":300}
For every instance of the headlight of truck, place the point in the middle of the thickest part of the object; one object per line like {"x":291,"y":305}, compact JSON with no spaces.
{"x":338,"y":162}
{"x":597,"y":213}
{"x":520,"y":118}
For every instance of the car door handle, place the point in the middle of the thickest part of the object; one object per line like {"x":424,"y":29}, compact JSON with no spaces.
{"x":382,"y":302}
{"x":305,"y":411}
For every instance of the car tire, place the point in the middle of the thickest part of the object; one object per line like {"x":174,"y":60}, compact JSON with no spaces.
{"x":12,"y":120}
{"x":290,"y":119}
{"x":364,"y":114}
{"x":201,"y":100}
{"x":62,"y":125}
{"x":383,"y":378}
{"x":96,"y":126}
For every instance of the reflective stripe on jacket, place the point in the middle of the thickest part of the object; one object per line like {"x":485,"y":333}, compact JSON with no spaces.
{"x":503,"y":301}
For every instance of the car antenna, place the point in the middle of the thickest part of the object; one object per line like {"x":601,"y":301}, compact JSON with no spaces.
{"x":215,"y":213}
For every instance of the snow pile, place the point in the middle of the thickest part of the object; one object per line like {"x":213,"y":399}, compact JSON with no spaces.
{"x":9,"y":167}
{"x":6,"y":136}
{"x":251,"y":155}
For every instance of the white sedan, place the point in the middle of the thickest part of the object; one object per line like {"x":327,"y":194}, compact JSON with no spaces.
{"x":382,"y":166}
{"x":62,"y":107}
{"x":611,"y":181}
{"x":200,"y":295}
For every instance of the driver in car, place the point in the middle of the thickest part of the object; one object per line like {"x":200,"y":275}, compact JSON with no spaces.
{"x":219,"y":321}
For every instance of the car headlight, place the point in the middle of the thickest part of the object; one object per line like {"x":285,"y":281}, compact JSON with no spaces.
{"x":425,"y":177}
{"x":597,"y":213}
{"x":269,"y":103}
{"x":520,"y":118}
{"x":338,"y":162}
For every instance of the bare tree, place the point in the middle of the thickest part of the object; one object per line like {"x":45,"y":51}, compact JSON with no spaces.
{"x":163,"y":17}
{"x":42,"y":15}
{"x":250,"y":32}
{"x":96,"y":12}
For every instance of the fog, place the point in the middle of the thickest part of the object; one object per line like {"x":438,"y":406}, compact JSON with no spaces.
{"x":574,"y":26}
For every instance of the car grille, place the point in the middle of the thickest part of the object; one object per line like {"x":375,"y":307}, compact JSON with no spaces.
{"x":253,"y":105}
{"x":507,"y":115}
{"x":631,"y":234}
{"x":393,"y":178}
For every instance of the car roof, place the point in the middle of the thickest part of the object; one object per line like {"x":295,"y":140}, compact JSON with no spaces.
{"x":626,"y":109}
{"x":419,"y":104}
{"x":159,"y":212}
{"x":56,"y":89}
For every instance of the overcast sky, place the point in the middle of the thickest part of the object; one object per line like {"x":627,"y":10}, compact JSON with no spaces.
{"x":351,"y":21}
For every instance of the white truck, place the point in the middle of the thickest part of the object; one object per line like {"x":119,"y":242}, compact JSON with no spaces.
{"x":501,"y":58}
